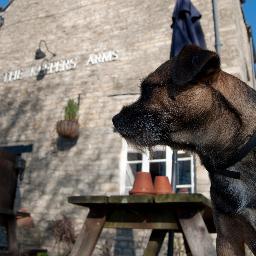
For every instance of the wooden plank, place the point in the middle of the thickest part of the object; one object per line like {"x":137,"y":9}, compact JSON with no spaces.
{"x":183,"y":198}
{"x":136,"y":225}
{"x":155,"y":242}
{"x":171,"y":198}
{"x":88,"y":237}
{"x":144,"y":216}
{"x":87,"y":200}
{"x":5,"y":211}
{"x":199,"y":240}
{"x":132,"y":199}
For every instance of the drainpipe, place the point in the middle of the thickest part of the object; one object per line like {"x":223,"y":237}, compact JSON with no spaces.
{"x":252,"y":57}
{"x":216,"y":26}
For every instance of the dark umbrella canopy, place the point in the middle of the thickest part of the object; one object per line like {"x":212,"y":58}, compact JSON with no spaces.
{"x":186,"y":27}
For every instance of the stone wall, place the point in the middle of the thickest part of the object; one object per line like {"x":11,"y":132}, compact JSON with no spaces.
{"x":139,"y":32}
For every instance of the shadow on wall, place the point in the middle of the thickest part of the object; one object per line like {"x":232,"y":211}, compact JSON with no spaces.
{"x":53,"y":172}
{"x":64,"y":144}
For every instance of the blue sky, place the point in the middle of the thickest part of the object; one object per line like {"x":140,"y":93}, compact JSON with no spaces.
{"x":250,"y":15}
{"x":3,"y":3}
{"x":249,"y":10}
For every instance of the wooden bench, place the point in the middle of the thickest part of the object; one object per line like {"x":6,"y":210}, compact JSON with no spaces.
{"x":10,"y":220}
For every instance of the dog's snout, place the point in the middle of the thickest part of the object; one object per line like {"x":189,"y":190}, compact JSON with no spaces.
{"x":115,"y":120}
{"x":118,"y":122}
{"x":121,"y":123}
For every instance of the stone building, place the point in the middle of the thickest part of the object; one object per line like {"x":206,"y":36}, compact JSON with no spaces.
{"x":102,"y":50}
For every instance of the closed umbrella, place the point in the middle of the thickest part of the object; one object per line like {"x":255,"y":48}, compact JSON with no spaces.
{"x":186,"y":27}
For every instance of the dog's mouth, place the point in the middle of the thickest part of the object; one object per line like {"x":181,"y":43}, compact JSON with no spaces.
{"x":137,"y":132}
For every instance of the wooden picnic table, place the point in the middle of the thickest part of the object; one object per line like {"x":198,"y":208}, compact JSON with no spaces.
{"x":190,"y":214}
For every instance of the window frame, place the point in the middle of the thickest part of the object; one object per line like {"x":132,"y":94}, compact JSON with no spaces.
{"x":146,"y":165}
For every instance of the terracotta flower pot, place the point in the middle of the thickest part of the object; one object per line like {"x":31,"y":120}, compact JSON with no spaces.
{"x":162,"y":185}
{"x":68,"y":128}
{"x":143,"y":184}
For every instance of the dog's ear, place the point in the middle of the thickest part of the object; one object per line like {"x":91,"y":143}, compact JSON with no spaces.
{"x":194,"y":64}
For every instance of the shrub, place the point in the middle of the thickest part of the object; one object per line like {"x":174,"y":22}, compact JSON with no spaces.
{"x":71,"y":110}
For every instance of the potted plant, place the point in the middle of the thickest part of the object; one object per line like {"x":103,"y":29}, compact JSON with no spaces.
{"x":69,"y":127}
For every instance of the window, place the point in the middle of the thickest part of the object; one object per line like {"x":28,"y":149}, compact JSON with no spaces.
{"x":157,"y":162}
{"x":185,"y":172}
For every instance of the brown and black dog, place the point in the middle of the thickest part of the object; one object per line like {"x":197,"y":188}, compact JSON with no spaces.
{"x":190,"y":103}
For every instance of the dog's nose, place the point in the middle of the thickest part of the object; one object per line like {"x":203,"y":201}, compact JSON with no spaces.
{"x":119,"y":123}
{"x":115,"y":120}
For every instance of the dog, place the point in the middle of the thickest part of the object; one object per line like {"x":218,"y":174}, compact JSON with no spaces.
{"x":189,"y":103}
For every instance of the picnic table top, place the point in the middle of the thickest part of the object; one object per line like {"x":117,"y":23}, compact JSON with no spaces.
{"x":184,"y":199}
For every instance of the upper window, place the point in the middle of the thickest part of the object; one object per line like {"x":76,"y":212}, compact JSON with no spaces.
{"x":158,"y":162}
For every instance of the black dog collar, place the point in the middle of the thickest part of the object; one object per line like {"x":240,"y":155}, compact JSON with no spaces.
{"x":238,"y":156}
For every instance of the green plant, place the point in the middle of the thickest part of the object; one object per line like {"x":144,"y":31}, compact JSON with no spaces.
{"x":71,"y":110}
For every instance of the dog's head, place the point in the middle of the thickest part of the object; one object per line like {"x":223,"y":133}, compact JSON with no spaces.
{"x":175,"y":98}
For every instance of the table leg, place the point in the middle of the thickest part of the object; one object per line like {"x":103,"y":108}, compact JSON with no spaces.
{"x":199,"y":240}
{"x":188,"y":252}
{"x":89,"y":234}
{"x":155,"y":242}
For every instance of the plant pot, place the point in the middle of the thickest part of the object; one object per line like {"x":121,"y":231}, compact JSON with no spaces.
{"x":162,"y":185}
{"x":143,"y":184}
{"x":68,"y":128}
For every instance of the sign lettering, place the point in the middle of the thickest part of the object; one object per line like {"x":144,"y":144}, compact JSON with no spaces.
{"x":57,"y":66}
{"x":102,"y":57}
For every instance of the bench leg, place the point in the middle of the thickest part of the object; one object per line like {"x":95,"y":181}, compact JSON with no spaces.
{"x":155,"y":242}
{"x":89,"y":235}
{"x":12,"y":240}
{"x":199,"y":240}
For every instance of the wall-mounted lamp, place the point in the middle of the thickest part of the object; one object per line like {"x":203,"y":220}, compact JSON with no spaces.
{"x":1,"y":21}
{"x":40,"y":54}
{"x":41,"y":74}
{"x":43,"y":70}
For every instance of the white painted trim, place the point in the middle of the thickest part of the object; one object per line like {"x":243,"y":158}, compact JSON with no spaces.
{"x":122,"y":166}
{"x":184,"y":186}
{"x":145,"y":161}
{"x":169,"y":153}
{"x":192,"y":169}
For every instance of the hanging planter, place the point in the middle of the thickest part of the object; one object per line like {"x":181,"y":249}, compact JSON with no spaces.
{"x":69,"y":127}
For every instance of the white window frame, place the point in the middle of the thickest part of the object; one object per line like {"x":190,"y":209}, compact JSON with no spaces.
{"x":192,"y":172}
{"x":146,"y":165}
